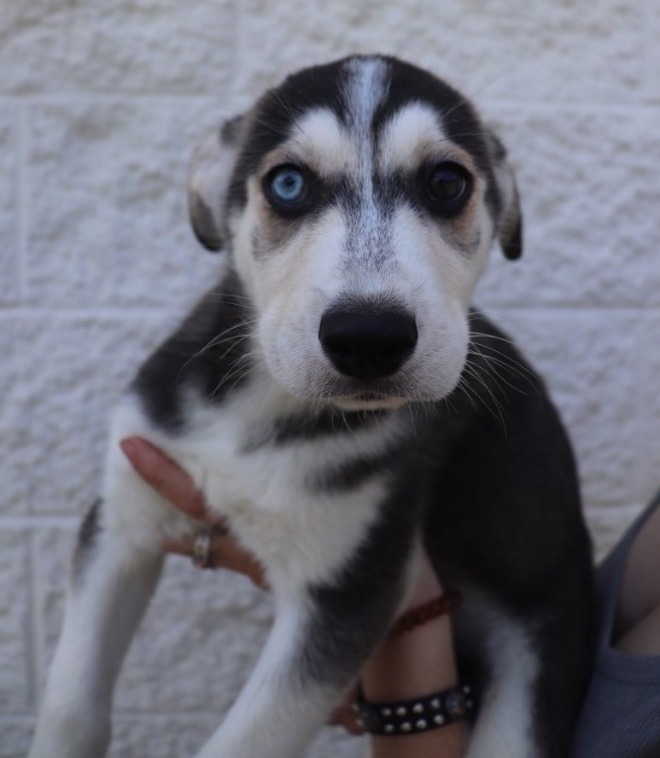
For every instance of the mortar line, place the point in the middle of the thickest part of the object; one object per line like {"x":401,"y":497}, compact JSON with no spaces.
{"x":130,"y":312}
{"x":644,"y":369}
{"x":23,"y":201}
{"x":579,"y":105}
{"x":648,"y":41}
{"x":239,"y":81}
{"x":129,"y":715}
{"x":91,"y":312}
{"x":35,"y":662}
{"x":237,"y":21}
{"x":17,"y":523}
{"x":137,"y":714}
{"x":562,"y":107}
{"x":82,"y":98}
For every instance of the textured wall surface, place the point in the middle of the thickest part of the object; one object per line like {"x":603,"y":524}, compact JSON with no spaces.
{"x":100,"y":105}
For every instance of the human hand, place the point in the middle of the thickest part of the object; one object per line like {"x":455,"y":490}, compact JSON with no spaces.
{"x":177,"y":487}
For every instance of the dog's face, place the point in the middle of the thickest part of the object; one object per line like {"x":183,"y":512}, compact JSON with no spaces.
{"x":359,"y":201}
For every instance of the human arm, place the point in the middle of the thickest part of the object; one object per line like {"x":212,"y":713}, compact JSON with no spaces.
{"x":417,"y":663}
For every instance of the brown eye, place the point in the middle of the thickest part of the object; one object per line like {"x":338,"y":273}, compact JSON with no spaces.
{"x":448,"y":186}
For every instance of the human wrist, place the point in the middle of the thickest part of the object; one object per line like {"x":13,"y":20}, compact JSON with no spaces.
{"x":426,"y":584}
{"x":416,"y":665}
{"x":412,"y":664}
{"x":422,"y":613}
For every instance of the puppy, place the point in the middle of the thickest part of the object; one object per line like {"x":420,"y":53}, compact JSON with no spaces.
{"x":340,"y":403}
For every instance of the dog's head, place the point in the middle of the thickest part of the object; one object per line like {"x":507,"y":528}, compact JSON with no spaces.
{"x":359,"y":201}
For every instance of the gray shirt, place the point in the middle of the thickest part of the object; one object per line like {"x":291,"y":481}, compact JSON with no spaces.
{"x":620,"y":717}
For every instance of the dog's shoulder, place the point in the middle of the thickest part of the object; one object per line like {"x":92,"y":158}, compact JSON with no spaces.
{"x":208,"y":355}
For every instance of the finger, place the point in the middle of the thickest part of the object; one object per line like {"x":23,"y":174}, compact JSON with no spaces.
{"x":166,"y":477}
{"x":350,"y":697}
{"x":347,"y":719}
{"x":345,"y":714}
{"x":225,"y":553}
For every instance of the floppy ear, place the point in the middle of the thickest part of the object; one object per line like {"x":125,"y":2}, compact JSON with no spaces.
{"x":509,"y":224}
{"x":209,"y":174}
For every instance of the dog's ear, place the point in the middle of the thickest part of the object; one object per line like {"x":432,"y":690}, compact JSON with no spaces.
{"x":510,"y":224}
{"x":209,"y":174}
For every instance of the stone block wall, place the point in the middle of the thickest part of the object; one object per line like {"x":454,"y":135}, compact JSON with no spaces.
{"x":100,"y":105}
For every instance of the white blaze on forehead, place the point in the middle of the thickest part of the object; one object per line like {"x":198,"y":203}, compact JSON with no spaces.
{"x":367,"y":86}
{"x":413,"y":134}
{"x":320,"y":141}
{"x":330,"y":147}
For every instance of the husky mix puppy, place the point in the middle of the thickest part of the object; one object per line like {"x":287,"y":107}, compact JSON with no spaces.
{"x":339,"y":401}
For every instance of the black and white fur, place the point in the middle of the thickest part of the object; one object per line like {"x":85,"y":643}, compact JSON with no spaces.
{"x":335,"y":480}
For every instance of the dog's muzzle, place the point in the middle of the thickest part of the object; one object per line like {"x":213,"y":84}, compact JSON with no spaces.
{"x":368,"y":345}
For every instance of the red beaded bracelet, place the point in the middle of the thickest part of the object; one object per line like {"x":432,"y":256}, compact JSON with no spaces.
{"x":420,"y":614}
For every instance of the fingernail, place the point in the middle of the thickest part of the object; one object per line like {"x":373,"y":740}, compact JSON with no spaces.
{"x":129,"y":448}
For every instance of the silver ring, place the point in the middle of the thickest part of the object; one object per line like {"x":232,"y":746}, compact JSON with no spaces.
{"x":202,"y":557}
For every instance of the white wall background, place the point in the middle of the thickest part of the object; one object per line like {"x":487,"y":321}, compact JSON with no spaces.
{"x":100,"y":104}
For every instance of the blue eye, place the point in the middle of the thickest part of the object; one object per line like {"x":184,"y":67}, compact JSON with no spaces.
{"x":287,"y":185}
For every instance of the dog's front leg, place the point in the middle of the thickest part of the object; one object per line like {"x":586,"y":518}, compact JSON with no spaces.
{"x":312,"y":655}
{"x":281,"y":706}
{"x":110,"y":587}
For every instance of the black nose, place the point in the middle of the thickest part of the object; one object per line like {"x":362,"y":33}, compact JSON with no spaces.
{"x":368,"y":345}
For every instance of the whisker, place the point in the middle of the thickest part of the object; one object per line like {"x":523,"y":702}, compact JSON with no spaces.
{"x":232,"y":371}
{"x":490,"y":364}
{"x":219,"y":339}
{"x":498,"y":413}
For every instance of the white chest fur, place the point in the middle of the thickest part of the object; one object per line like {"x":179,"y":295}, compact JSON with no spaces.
{"x":299,"y":533}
